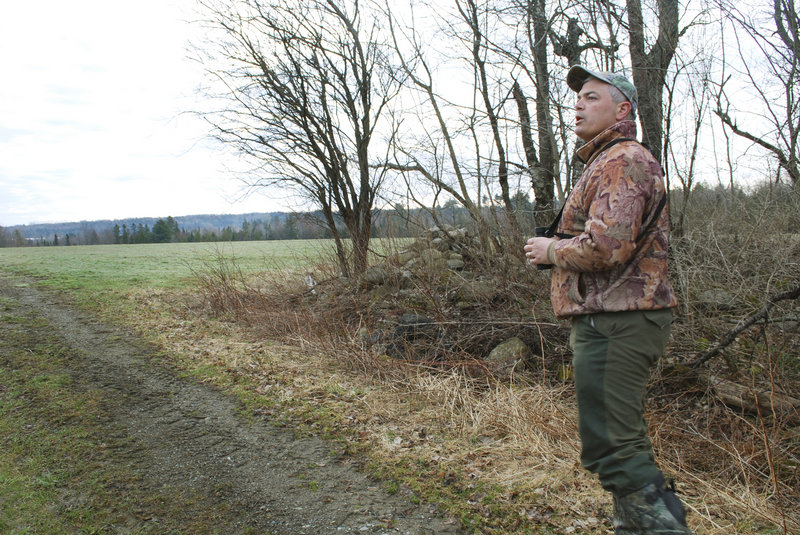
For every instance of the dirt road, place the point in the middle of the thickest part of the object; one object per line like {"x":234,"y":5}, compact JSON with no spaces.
{"x":195,"y":440}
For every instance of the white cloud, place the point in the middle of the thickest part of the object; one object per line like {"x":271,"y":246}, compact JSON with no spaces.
{"x":92,"y":122}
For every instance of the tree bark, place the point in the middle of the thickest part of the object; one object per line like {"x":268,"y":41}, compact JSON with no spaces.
{"x":650,"y":68}
{"x":541,"y":180}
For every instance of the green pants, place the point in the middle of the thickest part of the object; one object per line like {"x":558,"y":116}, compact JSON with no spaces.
{"x":613,"y":353}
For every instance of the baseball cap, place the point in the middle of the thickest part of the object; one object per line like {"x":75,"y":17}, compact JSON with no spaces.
{"x":577,"y":75}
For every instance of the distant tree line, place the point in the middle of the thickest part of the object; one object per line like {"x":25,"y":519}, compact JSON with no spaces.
{"x":168,"y":230}
{"x":399,"y":221}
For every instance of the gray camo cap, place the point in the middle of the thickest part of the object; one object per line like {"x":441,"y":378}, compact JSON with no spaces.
{"x":577,"y":75}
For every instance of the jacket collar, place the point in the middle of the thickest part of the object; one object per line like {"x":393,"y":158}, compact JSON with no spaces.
{"x":621,"y":129}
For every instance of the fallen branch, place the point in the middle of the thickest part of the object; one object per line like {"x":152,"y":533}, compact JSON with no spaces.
{"x":731,"y":335}
{"x":754,"y":400}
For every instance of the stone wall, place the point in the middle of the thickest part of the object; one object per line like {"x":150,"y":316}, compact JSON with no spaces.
{"x":437,"y":264}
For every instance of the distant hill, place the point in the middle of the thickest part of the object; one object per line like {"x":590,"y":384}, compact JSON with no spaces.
{"x":212,"y":222}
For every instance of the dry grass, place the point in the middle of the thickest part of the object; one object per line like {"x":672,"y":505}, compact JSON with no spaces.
{"x":740,"y":251}
{"x":503,"y":454}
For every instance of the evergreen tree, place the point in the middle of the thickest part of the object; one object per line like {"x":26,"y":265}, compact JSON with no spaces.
{"x":227,"y":234}
{"x":162,"y":231}
{"x":290,"y":228}
{"x":173,"y":227}
{"x":93,"y":238}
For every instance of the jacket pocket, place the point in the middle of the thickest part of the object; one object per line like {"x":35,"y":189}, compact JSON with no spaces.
{"x":577,"y":288}
{"x":661,"y":318}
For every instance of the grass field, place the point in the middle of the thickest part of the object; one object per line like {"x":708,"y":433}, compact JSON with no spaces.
{"x":100,"y":277}
{"x":162,"y":265}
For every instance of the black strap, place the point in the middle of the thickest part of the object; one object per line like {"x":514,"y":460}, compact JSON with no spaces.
{"x":551,"y":230}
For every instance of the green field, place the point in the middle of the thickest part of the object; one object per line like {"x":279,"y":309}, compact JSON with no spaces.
{"x":161,"y":265}
{"x":100,"y":277}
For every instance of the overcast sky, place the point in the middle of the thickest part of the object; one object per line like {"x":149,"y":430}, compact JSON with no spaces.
{"x":91,"y":122}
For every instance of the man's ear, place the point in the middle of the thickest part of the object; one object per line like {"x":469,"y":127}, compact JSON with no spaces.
{"x":623,"y":109}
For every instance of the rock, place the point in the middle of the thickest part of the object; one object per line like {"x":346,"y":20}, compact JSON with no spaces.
{"x":413,"y":326}
{"x":476,"y":291}
{"x":440,"y":245}
{"x":439,"y":231}
{"x":411,"y":298}
{"x":431,"y":256}
{"x":403,"y":257}
{"x":460,"y":234}
{"x":381,"y":296}
{"x":413,"y":264}
{"x":375,"y":275}
{"x":509,"y":357}
{"x":367,"y":337}
{"x":455,"y":264}
{"x":415,"y":337}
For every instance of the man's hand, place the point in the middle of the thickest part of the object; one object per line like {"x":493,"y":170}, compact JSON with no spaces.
{"x":536,"y":250}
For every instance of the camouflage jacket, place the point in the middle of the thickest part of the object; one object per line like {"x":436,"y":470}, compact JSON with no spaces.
{"x":604,"y":268}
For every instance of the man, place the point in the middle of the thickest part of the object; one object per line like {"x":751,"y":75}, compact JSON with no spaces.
{"x":610,"y":278}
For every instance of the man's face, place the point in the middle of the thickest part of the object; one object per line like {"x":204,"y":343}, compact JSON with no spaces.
{"x":595,"y":110}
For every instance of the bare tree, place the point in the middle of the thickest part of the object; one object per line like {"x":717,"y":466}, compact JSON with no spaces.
{"x":650,"y":66}
{"x":650,"y":58}
{"x":544,"y":166}
{"x":436,"y":145}
{"x":472,"y":16}
{"x":772,"y":76}
{"x":696,"y":74}
{"x":304,"y":88}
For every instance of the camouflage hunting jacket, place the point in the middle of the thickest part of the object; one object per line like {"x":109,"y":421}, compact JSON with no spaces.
{"x":605,"y":268}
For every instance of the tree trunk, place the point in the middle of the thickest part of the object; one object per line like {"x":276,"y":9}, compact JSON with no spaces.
{"x":650,"y":68}
{"x":543,"y":169}
{"x":544,"y":121}
{"x":470,"y":14}
{"x":541,"y":181}
{"x":360,"y":235}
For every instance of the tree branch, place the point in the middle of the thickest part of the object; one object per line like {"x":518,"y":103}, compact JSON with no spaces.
{"x":731,"y":335}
